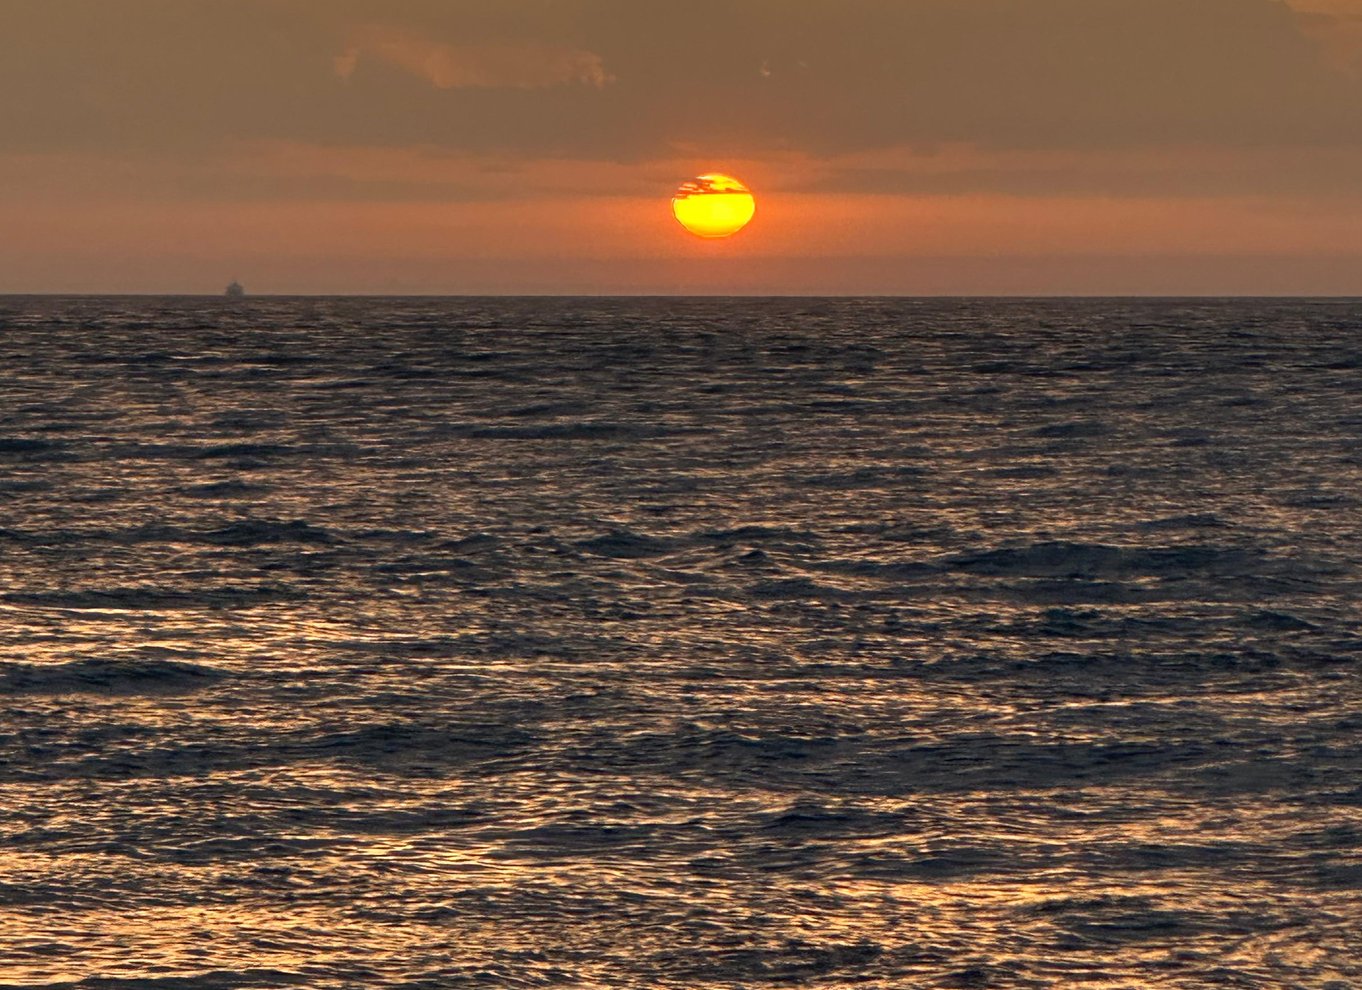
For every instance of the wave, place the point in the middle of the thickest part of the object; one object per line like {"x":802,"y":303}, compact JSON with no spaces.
{"x":1094,"y":560}
{"x":1078,"y":429}
{"x":1195,"y":520}
{"x":107,"y":677}
{"x":238,"y":533}
{"x":755,"y":535}
{"x":250,"y":978}
{"x":31,"y":448}
{"x":224,"y":489}
{"x":796,"y":963}
{"x":221,"y":596}
{"x":795,"y":588}
{"x":254,"y":532}
{"x":563,"y":431}
{"x":626,"y":545}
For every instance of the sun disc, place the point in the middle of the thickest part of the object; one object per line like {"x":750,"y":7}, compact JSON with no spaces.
{"x":714,"y":205}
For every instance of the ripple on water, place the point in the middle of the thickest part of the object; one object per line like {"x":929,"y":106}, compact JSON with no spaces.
{"x":637,"y":643}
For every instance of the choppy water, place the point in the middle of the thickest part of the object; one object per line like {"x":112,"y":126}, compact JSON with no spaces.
{"x":680,"y":644}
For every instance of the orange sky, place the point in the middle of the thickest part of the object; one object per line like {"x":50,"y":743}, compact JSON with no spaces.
{"x":896,"y":146}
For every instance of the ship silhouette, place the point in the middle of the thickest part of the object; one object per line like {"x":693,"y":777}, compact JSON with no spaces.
{"x":235,"y":290}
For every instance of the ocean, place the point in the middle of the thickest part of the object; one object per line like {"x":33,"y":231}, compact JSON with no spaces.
{"x":680,"y":643}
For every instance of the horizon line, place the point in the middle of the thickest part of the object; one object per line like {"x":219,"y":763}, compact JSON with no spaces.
{"x":242,"y":300}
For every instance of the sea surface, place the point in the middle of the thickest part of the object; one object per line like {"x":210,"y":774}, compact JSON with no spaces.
{"x":717,"y":643}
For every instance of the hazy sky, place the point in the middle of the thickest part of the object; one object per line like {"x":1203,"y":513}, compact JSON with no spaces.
{"x":902,"y":146}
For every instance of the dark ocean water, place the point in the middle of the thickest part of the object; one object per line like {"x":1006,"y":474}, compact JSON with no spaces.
{"x":680,"y":644}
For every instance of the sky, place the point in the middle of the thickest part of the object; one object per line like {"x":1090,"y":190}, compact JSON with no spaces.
{"x":906,"y":147}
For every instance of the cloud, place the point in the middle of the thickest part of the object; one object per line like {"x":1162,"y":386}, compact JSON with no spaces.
{"x":482,"y":66}
{"x":625,"y":81}
{"x":1343,"y":7}
{"x":1336,"y":27}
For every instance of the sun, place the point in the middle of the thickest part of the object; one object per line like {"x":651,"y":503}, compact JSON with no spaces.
{"x":714,"y":205}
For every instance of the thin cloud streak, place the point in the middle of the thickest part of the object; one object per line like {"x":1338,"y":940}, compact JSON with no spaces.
{"x":497,"y":66}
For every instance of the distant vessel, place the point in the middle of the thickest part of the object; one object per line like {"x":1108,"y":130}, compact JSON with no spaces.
{"x":235,"y":291}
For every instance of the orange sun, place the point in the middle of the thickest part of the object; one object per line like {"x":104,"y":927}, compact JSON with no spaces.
{"x":714,"y":205}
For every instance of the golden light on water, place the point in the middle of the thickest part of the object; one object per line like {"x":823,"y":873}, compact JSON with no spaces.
{"x":714,"y":205}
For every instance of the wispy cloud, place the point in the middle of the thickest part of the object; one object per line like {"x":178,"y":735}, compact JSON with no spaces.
{"x":482,"y":66}
{"x":1336,"y":26}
